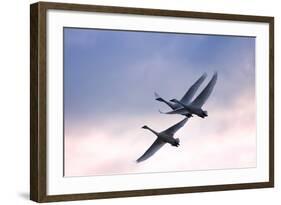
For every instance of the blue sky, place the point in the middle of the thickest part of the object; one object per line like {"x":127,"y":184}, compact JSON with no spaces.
{"x":113,"y":74}
{"x":104,"y":68}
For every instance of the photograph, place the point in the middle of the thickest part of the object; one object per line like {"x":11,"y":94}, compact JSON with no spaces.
{"x":137,"y":102}
{"x":131,"y":101}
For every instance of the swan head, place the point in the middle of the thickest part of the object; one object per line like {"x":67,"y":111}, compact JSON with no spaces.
{"x":144,"y":127}
{"x":202,"y":113}
{"x":176,"y":142}
{"x":205,"y":113}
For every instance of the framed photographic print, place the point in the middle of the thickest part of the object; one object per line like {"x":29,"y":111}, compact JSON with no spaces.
{"x":134,"y":102}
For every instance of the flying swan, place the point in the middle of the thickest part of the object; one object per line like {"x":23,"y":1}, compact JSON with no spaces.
{"x":195,"y":107}
{"x":185,"y":99}
{"x":166,"y":136}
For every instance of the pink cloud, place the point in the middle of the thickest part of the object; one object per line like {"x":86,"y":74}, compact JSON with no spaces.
{"x":224,"y":140}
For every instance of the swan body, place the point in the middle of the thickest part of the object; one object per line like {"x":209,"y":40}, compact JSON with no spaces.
{"x":166,"y":136}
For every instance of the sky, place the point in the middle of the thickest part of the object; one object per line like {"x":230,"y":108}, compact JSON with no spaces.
{"x":109,"y":82}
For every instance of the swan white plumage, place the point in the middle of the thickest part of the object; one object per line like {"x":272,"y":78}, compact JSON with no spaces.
{"x":166,"y":136}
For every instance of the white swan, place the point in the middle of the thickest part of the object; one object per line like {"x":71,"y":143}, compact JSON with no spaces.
{"x":166,"y":136}
{"x":186,"y":98}
{"x":195,"y":107}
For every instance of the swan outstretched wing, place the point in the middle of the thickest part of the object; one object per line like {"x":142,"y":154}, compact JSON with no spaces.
{"x":204,"y":95}
{"x":186,"y":99}
{"x":157,"y":144}
{"x":173,"y":129}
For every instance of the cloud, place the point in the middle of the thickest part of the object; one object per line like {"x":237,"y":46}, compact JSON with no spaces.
{"x":112,"y":147}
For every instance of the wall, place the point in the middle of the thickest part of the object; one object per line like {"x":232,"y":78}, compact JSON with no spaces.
{"x":14,"y":109}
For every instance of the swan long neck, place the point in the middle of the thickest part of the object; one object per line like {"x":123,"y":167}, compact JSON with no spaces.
{"x":156,"y":133}
{"x":179,"y":102}
{"x":182,"y":104}
{"x":171,"y":105}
